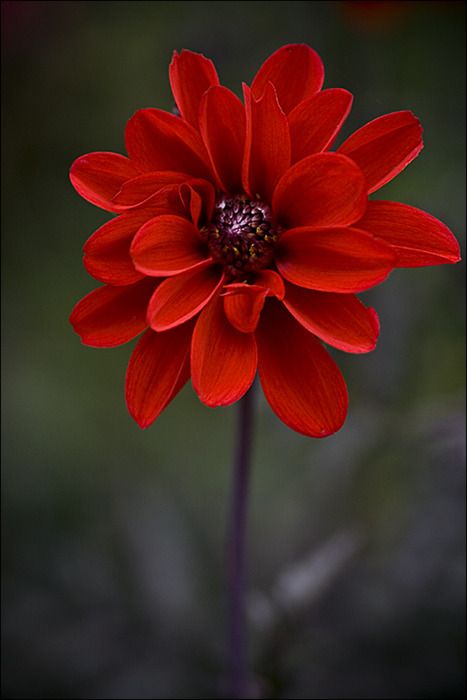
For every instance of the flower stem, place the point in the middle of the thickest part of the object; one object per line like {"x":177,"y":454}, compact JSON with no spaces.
{"x":236,"y":537}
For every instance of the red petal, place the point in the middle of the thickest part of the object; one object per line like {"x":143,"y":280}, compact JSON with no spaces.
{"x":167,"y":245}
{"x":315,"y":123}
{"x":271,"y":281}
{"x":99,"y":176}
{"x":295,"y":70}
{"x":333,"y":259}
{"x":243,"y":304}
{"x":223,"y":360}
{"x":157,"y":140}
{"x":222,"y":126}
{"x":301,"y":382}
{"x":384,"y":147}
{"x":181,"y":297}
{"x":267,"y":143}
{"x":418,"y":237}
{"x":191,"y":74}
{"x":156,"y":372}
{"x":139,"y":189}
{"x":341,"y":320}
{"x":325,"y":189}
{"x":198,"y":198}
{"x":107,"y":251}
{"x":111,"y":316}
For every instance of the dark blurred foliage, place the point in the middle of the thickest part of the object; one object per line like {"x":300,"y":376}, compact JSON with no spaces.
{"x":113,"y":537}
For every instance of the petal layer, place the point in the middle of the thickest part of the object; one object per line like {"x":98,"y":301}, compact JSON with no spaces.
{"x":99,"y":176}
{"x":222,"y":125}
{"x":111,"y":316}
{"x":167,"y":245}
{"x":333,"y":259}
{"x":223,"y":359}
{"x":157,"y":140}
{"x":267,"y":143}
{"x":295,"y":70}
{"x":271,"y":281}
{"x":418,"y":238}
{"x":107,"y":251}
{"x":243,"y":304}
{"x":384,"y":147}
{"x":301,"y":382}
{"x":139,"y":189}
{"x":191,"y":74}
{"x":179,"y":298}
{"x":341,"y":320}
{"x":325,"y":189}
{"x":156,"y":372}
{"x":315,"y":122}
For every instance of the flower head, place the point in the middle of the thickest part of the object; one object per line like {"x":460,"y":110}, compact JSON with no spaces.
{"x":240,"y":240}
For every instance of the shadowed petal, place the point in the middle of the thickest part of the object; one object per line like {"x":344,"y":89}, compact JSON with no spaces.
{"x":300,"y":380}
{"x":295,"y":70}
{"x":341,"y":320}
{"x":157,"y":370}
{"x":417,"y":237}
{"x":198,"y":197}
{"x":243,"y":304}
{"x":333,"y":259}
{"x":272,"y":281}
{"x":384,"y":147}
{"x":223,"y":359}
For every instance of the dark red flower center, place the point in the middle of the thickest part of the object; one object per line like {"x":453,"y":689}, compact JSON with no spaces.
{"x":241,"y":235}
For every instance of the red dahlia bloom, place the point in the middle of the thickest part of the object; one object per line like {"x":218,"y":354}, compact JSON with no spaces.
{"x":240,"y":241}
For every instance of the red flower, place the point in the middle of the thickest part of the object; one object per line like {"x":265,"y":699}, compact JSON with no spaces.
{"x":241,"y":241}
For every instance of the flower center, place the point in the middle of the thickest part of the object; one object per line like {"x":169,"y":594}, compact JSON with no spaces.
{"x":241,"y":235}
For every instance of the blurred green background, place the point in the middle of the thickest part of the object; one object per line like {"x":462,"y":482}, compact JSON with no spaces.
{"x":113,"y":537}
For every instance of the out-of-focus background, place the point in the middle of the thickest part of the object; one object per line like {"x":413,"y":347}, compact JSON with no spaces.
{"x":113,"y":537}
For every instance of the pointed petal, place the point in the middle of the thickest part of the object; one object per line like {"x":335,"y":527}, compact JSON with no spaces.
{"x":340,"y":320}
{"x":157,"y":140}
{"x":111,"y":316}
{"x":243,"y":304}
{"x":191,"y":74}
{"x":167,"y":245}
{"x":222,"y":126}
{"x":156,"y":372}
{"x":181,"y":297}
{"x":295,"y":70}
{"x":99,"y":176}
{"x":223,"y":360}
{"x":300,"y":380}
{"x":325,"y":189}
{"x":418,"y":238}
{"x":139,"y":189}
{"x":315,"y":122}
{"x":267,"y":143}
{"x":384,"y":147}
{"x":107,"y":251}
{"x":333,"y":259}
